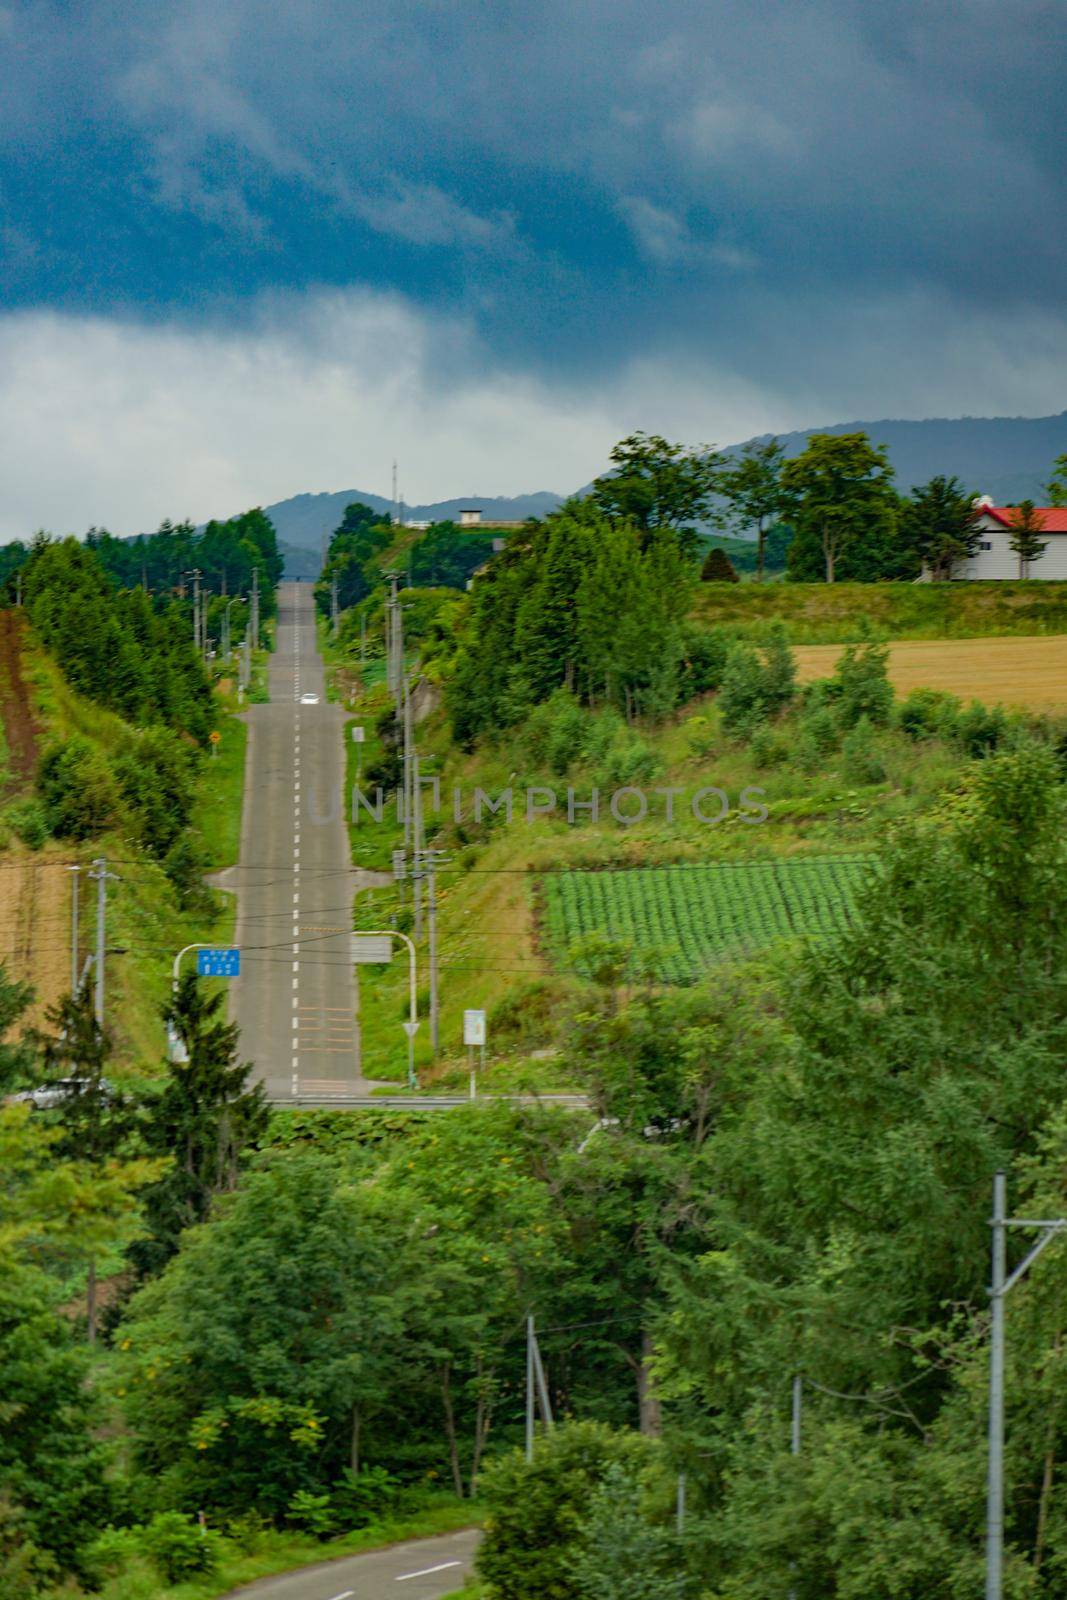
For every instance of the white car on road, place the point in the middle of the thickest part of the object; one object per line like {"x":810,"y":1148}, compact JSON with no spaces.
{"x":309,"y":699}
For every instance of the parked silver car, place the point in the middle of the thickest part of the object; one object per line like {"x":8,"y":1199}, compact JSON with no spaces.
{"x":44,"y":1096}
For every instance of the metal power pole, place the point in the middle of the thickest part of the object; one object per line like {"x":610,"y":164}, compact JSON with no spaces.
{"x":431,"y":912}
{"x":1000,"y":1287}
{"x":333,"y":604}
{"x":101,"y":875}
{"x":255,"y":608}
{"x":995,"y":1486}
{"x":529,"y":1388}
{"x":197,"y":644}
{"x":794,"y":1441}
{"x":416,"y":843}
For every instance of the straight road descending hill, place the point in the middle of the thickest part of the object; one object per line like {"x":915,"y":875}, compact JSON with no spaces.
{"x":295,"y":997}
{"x":422,"y":1569}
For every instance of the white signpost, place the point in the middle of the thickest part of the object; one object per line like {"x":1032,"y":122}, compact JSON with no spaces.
{"x":474,"y":1038}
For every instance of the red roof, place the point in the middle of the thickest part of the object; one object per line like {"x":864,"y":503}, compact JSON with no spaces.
{"x":1053,"y":518}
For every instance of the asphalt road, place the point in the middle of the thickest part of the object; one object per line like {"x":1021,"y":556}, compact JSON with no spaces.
{"x":295,"y":998}
{"x":421,"y":1569}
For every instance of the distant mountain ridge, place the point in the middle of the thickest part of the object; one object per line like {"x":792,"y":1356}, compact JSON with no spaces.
{"x":1009,"y":458}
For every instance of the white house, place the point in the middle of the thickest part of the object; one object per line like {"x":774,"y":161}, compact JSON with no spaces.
{"x":995,"y":558}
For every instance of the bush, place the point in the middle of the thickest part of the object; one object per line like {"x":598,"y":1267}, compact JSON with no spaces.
{"x":30,"y":821}
{"x":860,"y":686}
{"x":534,"y":1530}
{"x":862,"y":760}
{"x":313,"y":1512}
{"x":556,"y":731}
{"x":980,"y":729}
{"x":767,"y":749}
{"x":179,"y":1547}
{"x":362,"y":1497}
{"x":625,"y":1553}
{"x":185,"y":864}
{"x":928,"y":712}
{"x":820,"y":728}
{"x":78,"y":790}
{"x":755,"y":686}
{"x":705,"y":652}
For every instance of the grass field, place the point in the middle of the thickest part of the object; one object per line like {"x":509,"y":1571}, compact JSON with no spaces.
{"x":684,"y":918}
{"x":1027,"y":672}
{"x":832,"y":613}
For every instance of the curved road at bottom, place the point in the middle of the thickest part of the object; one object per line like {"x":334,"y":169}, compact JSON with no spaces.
{"x":419,"y":1569}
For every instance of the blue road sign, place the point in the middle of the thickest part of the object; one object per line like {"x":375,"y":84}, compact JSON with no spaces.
{"x":218,"y":963}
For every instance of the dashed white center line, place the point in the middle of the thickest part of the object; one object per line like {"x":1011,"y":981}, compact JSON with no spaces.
{"x":424,"y":1572}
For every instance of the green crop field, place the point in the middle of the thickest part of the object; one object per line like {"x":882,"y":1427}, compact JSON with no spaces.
{"x":687,"y":917}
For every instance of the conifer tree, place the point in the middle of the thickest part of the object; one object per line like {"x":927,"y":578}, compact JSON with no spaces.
{"x":206,"y":1118}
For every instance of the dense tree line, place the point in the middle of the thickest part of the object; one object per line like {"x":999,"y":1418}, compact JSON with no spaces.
{"x":118,"y":647}
{"x":226,"y":554}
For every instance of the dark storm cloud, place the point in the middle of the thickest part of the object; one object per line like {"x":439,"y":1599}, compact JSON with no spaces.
{"x":679,"y":155}
{"x":704,"y":216}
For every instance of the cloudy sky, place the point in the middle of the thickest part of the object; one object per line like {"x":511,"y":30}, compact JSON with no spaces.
{"x":250,"y":248}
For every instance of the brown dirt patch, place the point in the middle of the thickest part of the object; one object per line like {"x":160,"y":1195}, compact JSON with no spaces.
{"x":1028,"y":671}
{"x":21,"y":729}
{"x":35,"y":928}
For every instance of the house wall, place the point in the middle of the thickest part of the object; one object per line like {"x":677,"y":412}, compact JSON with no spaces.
{"x":1000,"y":560}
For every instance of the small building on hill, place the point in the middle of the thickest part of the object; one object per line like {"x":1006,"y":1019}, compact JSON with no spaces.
{"x":995,"y":558}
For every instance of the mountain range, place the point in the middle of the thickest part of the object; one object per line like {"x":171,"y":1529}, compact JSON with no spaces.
{"x":1009,"y":458}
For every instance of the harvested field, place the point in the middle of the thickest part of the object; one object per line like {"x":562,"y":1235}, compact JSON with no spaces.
{"x":35,"y":927}
{"x":1025,"y":672}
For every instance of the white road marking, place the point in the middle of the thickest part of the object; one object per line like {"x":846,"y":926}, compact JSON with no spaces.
{"x":346,"y":1594}
{"x":425,"y":1571}
{"x":296,"y":981}
{"x":296,"y":964}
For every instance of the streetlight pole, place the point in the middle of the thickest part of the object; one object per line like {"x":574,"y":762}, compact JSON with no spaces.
{"x":226,"y":624}
{"x":1000,"y":1287}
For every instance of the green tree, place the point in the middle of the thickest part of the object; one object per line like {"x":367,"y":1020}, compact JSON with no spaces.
{"x":718,"y":568}
{"x":96,"y":1122}
{"x":206,"y":1118}
{"x":753,"y":488}
{"x":655,"y":484}
{"x":534,"y":1534}
{"x":1056,"y":488}
{"x":256,"y":1356}
{"x":1027,"y":525}
{"x":940,"y":522}
{"x":624,"y":1553}
{"x":840,"y":498}
{"x":55,"y":1212}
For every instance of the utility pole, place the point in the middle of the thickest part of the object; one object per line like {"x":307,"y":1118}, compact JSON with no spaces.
{"x":362,"y":637}
{"x":1000,"y":1287}
{"x":18,"y":588}
{"x":409,"y":757}
{"x":333,"y":604}
{"x":416,"y":844}
{"x":255,"y":608}
{"x":535,"y":1376}
{"x":395,"y":506}
{"x":101,"y":875}
{"x":197,"y":645}
{"x":75,"y":870}
{"x":431,"y":910}
{"x":794,"y":1441}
